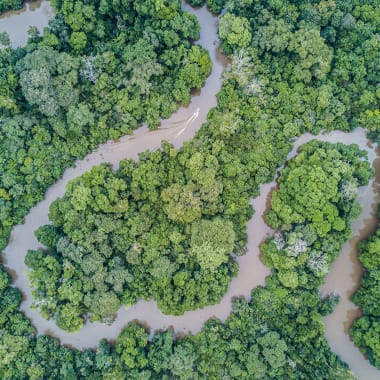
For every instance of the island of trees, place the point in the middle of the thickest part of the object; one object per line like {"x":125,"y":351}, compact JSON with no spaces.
{"x":165,"y":227}
{"x":272,"y":336}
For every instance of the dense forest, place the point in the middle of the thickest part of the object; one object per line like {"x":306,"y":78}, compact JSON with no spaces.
{"x":6,"y":5}
{"x":365,"y":331}
{"x":98,"y":72}
{"x":215,"y":6}
{"x":165,"y":226}
{"x":275,"y":335}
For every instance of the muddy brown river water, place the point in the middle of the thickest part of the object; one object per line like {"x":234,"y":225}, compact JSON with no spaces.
{"x":17,"y":23}
{"x":343,"y":277}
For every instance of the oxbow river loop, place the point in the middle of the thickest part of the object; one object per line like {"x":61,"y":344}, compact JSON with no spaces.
{"x":343,"y":277}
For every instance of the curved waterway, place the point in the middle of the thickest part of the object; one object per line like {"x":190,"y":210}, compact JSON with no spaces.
{"x":17,"y":23}
{"x":343,"y":277}
{"x":346,"y":271}
{"x":179,"y":128}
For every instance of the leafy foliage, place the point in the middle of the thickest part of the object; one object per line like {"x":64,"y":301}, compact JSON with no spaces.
{"x":312,"y":213}
{"x":215,"y":6}
{"x":6,"y":5}
{"x":121,"y":236}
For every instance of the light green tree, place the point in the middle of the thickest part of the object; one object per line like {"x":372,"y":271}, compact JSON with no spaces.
{"x":212,"y":241}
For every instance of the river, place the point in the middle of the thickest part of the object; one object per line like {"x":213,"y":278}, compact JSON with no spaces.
{"x":345,"y":274}
{"x":342,"y":279}
{"x":17,"y":23}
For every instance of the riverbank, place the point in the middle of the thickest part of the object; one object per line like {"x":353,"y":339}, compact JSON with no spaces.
{"x":344,"y":279}
{"x":251,"y":273}
{"x":17,"y":23}
{"x":22,"y":237}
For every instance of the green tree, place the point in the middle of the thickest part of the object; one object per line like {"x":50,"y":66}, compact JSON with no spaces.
{"x":234,"y":32}
{"x":212,"y":242}
{"x":130,"y":344}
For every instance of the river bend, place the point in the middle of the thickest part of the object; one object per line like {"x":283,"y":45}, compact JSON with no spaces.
{"x":345,"y":272}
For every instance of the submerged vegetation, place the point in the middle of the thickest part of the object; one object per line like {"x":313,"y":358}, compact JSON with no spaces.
{"x":164,"y":227}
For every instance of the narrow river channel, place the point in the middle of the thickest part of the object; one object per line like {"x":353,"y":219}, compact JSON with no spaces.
{"x":17,"y":23}
{"x":342,"y":279}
